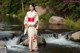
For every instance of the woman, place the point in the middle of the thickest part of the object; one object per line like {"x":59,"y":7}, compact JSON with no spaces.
{"x":31,"y":25}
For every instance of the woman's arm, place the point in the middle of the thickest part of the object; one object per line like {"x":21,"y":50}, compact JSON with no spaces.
{"x":36,"y":22}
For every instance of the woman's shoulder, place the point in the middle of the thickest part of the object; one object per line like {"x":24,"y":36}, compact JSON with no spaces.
{"x":28,"y":12}
{"x":35,"y":13}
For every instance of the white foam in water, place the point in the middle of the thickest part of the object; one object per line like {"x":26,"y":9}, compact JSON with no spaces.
{"x":12,"y":44}
{"x":61,"y":41}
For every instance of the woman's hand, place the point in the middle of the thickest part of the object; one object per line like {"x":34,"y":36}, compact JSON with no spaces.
{"x":29,"y":25}
{"x":25,"y":24}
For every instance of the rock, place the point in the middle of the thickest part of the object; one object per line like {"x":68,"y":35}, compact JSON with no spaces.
{"x":56,"y":20}
{"x":40,"y":10}
{"x":75,"y":36}
{"x":25,"y":42}
{"x":7,"y":14}
{"x":40,"y":41}
{"x":14,"y":16}
{"x":2,"y":44}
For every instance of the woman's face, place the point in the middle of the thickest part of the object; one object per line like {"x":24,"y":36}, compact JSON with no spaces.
{"x":31,"y":8}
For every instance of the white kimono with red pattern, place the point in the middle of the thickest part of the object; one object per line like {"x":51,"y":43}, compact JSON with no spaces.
{"x":31,"y":18}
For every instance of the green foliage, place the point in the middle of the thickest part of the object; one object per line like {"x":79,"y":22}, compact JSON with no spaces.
{"x":77,"y":24}
{"x":58,"y":8}
{"x":71,"y":24}
{"x":22,"y":14}
{"x":68,"y":9}
{"x":39,"y":2}
{"x":61,"y":8}
{"x":11,"y":20}
{"x":45,"y":17}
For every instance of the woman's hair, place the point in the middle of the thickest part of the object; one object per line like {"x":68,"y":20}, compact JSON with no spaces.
{"x":33,"y":5}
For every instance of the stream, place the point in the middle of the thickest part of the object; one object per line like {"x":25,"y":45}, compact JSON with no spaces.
{"x":55,"y":39}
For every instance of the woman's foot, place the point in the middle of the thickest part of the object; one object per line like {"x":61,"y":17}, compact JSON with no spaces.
{"x":31,"y":50}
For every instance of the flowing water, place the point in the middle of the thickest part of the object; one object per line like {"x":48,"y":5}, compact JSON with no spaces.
{"x":56,"y":41}
{"x":60,"y":45}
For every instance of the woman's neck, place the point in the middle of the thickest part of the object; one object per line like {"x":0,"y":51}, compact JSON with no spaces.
{"x":32,"y":10}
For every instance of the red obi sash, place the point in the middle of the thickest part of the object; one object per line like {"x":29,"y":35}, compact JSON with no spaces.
{"x":30,"y":19}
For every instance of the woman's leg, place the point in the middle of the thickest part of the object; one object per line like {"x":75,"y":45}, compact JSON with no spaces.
{"x":30,"y":34}
{"x":35,"y":45}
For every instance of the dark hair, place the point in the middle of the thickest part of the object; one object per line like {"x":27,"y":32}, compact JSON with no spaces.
{"x":33,"y":5}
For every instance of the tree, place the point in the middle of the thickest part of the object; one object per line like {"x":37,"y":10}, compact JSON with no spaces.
{"x":22,"y":6}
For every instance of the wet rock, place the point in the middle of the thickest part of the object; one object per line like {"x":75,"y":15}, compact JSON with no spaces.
{"x":56,"y":20}
{"x":2,"y":44}
{"x":75,"y":36}
{"x":40,"y":40}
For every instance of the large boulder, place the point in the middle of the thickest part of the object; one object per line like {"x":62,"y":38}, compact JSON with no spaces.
{"x":56,"y":20}
{"x":40,"y":10}
{"x":75,"y":36}
{"x":40,"y":40}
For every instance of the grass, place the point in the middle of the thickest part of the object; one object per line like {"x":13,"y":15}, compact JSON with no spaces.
{"x":71,"y":24}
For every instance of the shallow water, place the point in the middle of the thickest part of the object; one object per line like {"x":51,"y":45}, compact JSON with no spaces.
{"x":54,"y":45}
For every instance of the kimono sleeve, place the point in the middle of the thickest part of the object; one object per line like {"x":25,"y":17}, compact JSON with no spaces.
{"x":36,"y":22}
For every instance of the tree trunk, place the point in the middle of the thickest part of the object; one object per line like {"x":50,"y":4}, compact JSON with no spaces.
{"x":22,"y":6}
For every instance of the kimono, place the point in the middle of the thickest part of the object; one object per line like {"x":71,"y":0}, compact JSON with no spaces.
{"x":31,"y":25}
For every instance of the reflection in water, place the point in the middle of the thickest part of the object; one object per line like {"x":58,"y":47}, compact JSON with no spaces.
{"x":56,"y":26}
{"x":51,"y":26}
